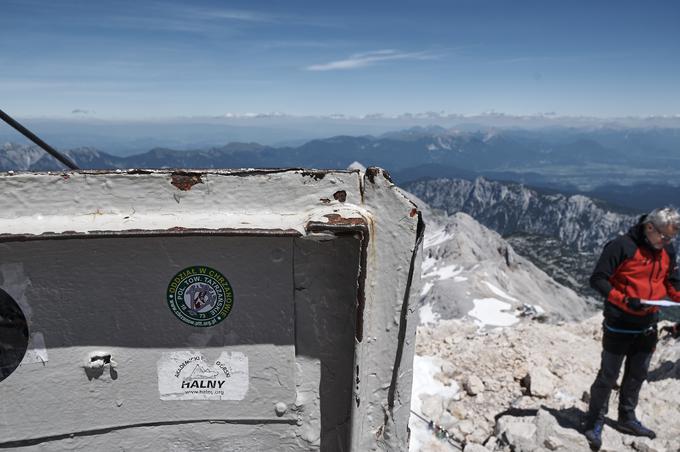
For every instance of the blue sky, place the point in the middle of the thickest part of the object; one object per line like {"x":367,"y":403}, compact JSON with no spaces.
{"x":126,"y":59}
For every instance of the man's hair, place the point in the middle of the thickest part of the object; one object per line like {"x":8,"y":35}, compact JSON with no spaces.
{"x":663,"y":217}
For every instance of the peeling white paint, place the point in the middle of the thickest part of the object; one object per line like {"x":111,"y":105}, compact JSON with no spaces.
{"x":80,"y":204}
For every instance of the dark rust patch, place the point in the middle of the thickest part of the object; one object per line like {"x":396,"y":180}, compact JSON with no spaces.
{"x":335,"y":219}
{"x":387,"y":176}
{"x":371,"y":173}
{"x":340,"y":195}
{"x":316,"y":175}
{"x":414,"y":212}
{"x":184,"y":181}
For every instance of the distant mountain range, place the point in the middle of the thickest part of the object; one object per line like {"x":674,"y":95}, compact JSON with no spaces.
{"x":635,"y":168}
{"x":485,"y":150}
{"x":134,"y":136}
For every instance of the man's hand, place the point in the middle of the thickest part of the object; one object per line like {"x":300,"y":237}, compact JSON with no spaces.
{"x":634,"y":303}
{"x":672,"y":330}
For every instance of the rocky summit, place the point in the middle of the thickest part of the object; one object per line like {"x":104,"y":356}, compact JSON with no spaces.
{"x":505,"y":355}
{"x":525,"y":388}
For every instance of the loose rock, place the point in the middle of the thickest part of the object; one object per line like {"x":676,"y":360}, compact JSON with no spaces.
{"x":473,"y":385}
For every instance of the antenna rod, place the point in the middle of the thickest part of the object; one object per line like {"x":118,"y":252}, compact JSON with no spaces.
{"x":31,"y":136}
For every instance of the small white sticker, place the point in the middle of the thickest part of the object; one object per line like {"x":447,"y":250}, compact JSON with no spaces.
{"x":36,"y":351}
{"x":186,"y":375}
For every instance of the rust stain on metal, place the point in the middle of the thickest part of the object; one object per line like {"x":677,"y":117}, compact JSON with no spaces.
{"x":414,"y":212}
{"x":387,"y":176}
{"x":335,"y":219}
{"x":316,"y":175}
{"x":371,"y":173}
{"x":132,"y":233}
{"x":361,"y":287}
{"x":340,"y":195}
{"x":184,"y":181}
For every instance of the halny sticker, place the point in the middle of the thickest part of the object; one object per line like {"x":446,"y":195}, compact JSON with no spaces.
{"x":187,"y":375}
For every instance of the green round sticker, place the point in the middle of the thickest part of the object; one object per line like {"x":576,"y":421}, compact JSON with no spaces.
{"x":200,"y":296}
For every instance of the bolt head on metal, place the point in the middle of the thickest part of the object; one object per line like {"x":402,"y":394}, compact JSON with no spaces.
{"x":280,"y":409}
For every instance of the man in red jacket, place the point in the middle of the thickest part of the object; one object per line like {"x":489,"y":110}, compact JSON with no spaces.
{"x":639,"y":265}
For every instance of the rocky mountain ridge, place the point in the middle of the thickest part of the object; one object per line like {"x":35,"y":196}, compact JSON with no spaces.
{"x":509,"y":208}
{"x":470,"y":271}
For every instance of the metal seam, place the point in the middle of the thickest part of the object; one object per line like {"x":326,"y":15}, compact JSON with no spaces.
{"x":404,"y":314}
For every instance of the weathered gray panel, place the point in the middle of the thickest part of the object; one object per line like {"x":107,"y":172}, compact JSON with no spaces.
{"x":109,"y":295}
{"x":326,"y":283}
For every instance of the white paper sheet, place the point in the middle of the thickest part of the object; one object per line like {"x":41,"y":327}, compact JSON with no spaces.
{"x":660,"y":302}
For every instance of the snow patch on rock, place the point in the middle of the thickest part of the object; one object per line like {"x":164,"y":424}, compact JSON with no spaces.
{"x":492,"y":312}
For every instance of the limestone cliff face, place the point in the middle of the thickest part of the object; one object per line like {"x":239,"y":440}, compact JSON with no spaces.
{"x":468,"y":267}
{"x":508,"y":208}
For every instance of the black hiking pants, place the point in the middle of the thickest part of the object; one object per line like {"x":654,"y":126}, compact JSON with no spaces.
{"x":636,"y":350}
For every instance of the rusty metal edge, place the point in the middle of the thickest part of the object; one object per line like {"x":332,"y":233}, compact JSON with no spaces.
{"x":310,"y":172}
{"x":138,"y":233}
{"x":420,"y":233}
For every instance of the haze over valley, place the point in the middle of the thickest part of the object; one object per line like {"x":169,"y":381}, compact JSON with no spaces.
{"x":631,"y":168}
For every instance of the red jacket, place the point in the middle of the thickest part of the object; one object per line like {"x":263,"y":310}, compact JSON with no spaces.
{"x":630,"y":267}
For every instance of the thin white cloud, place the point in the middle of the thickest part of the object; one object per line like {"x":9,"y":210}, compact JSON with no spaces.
{"x":180,"y":18}
{"x":233,"y":14}
{"x":364,"y":59}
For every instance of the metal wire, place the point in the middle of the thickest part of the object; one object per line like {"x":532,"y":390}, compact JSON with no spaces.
{"x":34,"y":138}
{"x":434,"y":427}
